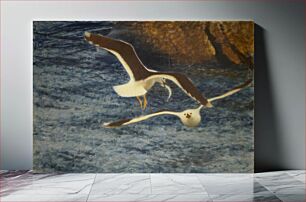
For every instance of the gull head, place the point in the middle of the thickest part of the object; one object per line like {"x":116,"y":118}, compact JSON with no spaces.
{"x":191,"y":117}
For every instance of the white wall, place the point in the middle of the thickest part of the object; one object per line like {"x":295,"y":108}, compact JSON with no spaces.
{"x":280,"y":72}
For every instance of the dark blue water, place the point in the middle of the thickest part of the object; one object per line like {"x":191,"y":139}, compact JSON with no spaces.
{"x":73,"y":95}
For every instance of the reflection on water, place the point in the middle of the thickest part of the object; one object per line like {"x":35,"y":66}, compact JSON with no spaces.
{"x":73,"y":95}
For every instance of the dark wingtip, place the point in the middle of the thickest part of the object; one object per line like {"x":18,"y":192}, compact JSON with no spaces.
{"x":116,"y":123}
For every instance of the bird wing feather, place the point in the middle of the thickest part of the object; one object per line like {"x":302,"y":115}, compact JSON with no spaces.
{"x":124,"y":52}
{"x":232,"y":91}
{"x":138,"y":119}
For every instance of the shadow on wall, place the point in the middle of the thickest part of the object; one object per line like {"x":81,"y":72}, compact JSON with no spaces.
{"x":268,"y":154}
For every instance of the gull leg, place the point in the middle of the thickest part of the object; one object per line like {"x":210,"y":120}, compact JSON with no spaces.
{"x":140,"y":101}
{"x":145,"y":102}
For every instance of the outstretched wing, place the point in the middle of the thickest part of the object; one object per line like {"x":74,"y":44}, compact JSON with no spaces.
{"x":232,"y":91}
{"x":185,"y":84}
{"x":137,"y":119}
{"x":124,"y":52}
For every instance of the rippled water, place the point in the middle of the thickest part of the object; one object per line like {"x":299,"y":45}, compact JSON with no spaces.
{"x":73,"y":95}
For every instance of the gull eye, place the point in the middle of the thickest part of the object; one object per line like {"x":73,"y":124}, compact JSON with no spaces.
{"x":190,"y":113}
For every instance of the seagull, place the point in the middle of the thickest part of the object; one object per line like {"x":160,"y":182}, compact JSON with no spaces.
{"x":189,"y":117}
{"x":142,"y":79}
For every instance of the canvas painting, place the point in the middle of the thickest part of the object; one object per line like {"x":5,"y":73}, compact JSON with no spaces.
{"x":143,"y":96}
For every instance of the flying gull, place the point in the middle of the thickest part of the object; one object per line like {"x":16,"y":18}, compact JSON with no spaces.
{"x":142,"y":79}
{"x":189,"y":117}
